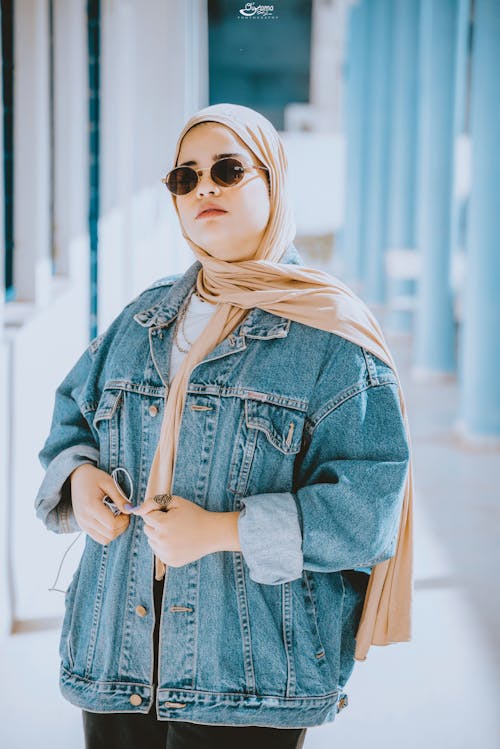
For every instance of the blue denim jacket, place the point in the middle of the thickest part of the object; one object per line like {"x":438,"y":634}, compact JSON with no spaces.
{"x":296,"y":428}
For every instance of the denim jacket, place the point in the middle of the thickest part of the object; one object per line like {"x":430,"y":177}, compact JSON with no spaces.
{"x":296,"y":428}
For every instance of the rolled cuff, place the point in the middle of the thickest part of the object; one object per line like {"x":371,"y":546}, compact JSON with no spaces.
{"x":53,"y":502}
{"x":271,"y":538}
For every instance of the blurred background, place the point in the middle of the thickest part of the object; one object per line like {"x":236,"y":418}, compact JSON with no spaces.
{"x":390,"y":115}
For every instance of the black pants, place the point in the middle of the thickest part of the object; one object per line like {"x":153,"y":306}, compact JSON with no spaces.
{"x":137,"y":731}
{"x":129,"y":731}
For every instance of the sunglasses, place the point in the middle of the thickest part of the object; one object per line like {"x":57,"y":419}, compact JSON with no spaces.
{"x":225,"y":172}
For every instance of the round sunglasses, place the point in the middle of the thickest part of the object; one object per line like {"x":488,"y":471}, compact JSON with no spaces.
{"x":225,"y":172}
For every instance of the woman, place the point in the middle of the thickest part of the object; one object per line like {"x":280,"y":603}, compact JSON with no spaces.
{"x":281,"y":544}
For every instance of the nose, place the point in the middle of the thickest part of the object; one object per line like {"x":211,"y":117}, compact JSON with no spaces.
{"x":206,"y":184}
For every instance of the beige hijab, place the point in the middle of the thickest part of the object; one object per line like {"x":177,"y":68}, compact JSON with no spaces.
{"x":307,"y":296}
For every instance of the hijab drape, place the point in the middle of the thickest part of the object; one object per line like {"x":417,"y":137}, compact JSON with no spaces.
{"x":304,"y":295}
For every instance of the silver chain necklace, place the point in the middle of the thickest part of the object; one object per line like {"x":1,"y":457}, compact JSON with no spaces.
{"x":181,"y":324}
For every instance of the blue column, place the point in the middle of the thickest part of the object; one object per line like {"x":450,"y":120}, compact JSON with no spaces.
{"x":377,"y":133}
{"x":481,"y":334}
{"x":435,"y":334}
{"x":402,"y":178}
{"x":355,"y":114}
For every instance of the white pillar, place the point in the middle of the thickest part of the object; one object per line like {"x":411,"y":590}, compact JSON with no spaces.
{"x":71,"y":131}
{"x":329,"y":21}
{"x":120,"y":147}
{"x":195,"y":54}
{"x":154,"y":75}
{"x":32,"y":261}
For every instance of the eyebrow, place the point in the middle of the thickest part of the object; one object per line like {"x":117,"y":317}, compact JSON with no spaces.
{"x":215,"y":157}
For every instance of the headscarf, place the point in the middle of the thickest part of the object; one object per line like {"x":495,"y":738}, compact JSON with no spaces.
{"x":304,"y":295}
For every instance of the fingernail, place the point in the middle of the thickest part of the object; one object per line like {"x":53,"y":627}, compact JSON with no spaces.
{"x":129,"y":507}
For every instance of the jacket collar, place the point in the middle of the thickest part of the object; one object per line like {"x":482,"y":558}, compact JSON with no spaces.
{"x":257,"y":324}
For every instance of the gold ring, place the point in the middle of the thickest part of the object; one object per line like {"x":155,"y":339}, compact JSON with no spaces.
{"x":163,"y":500}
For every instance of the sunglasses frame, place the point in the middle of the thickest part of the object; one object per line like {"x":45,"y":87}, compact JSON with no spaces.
{"x":200,"y":170}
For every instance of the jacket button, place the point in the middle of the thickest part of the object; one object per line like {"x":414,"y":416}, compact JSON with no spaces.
{"x":153,"y":410}
{"x":135,"y":699}
{"x":343,"y":702}
{"x":140,"y":611}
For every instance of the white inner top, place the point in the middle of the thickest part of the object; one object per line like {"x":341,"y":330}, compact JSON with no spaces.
{"x":197,"y":315}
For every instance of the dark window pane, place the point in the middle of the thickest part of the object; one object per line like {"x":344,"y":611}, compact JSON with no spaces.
{"x":261,"y":61}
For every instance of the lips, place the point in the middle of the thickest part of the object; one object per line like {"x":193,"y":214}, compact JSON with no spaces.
{"x":210,"y":210}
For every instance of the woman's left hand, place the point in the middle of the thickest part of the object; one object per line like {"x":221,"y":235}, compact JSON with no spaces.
{"x":182,"y":534}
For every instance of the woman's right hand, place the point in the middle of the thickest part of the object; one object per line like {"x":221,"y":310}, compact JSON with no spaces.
{"x":88,"y":487}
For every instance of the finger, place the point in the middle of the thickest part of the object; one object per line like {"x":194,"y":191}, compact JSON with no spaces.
{"x":147,"y":506}
{"x":118,"y":532}
{"x":155,"y":547}
{"x":121,"y":524}
{"x":96,"y":515}
{"x":106,"y":518}
{"x":109,"y":487}
{"x":103,"y":516}
{"x":155,"y":518}
{"x":109,"y":534}
{"x":98,"y":537}
{"x":151,"y":535}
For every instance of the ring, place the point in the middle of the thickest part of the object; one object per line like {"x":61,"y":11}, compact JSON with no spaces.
{"x":163,"y":500}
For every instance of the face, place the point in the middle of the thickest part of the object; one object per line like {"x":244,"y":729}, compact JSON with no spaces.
{"x":235,"y":228}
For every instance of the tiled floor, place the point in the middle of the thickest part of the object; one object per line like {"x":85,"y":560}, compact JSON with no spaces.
{"x":441,"y":689}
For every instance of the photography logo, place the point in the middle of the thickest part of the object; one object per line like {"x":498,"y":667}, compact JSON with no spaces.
{"x":257,"y":11}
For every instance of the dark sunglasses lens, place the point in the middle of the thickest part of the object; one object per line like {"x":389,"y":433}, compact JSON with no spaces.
{"x":227,"y":172}
{"x":182,"y":180}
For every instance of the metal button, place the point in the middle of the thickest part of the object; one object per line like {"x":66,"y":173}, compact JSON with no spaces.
{"x":153,"y":410}
{"x":140,"y":611}
{"x":135,"y":699}
{"x":343,"y":702}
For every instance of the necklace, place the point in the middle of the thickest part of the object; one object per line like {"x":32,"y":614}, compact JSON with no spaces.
{"x":181,"y":325}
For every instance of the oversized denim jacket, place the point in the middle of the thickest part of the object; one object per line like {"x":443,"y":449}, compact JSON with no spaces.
{"x":296,"y":428}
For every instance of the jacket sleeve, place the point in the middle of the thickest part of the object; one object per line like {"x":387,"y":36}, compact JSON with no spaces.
{"x":345,"y":511}
{"x":70,"y":443}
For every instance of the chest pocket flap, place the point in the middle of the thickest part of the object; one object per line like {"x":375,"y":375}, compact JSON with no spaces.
{"x":108,"y":403}
{"x":281,"y":425}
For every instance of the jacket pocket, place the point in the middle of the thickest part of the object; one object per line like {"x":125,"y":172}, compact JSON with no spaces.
{"x":65,"y":647}
{"x":106,"y":424}
{"x":311,"y":611}
{"x":268,"y":438}
{"x":282,"y":426}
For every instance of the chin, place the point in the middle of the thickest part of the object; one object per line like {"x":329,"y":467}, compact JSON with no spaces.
{"x":211,"y":248}
{"x":221,"y":249}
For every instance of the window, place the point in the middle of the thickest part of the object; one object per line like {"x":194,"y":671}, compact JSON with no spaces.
{"x":260,"y":58}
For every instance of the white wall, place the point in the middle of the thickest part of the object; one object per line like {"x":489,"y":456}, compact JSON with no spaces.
{"x":43,"y":350}
{"x":5,"y":578}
